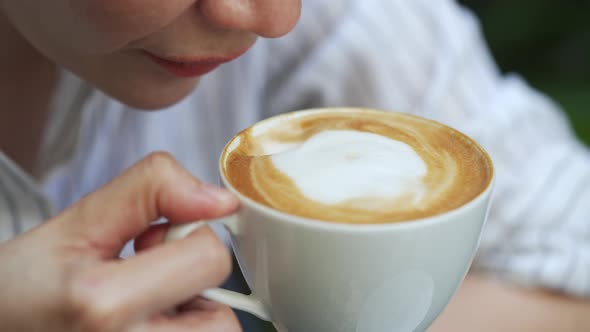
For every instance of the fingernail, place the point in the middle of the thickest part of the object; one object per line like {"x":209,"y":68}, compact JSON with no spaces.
{"x":221,"y":195}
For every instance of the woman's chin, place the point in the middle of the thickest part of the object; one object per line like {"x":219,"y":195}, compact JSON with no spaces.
{"x":153,"y":97}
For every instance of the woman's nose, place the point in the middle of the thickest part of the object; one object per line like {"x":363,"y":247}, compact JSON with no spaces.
{"x":266,"y":18}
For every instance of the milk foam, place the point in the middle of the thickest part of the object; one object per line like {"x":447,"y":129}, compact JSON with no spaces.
{"x":336,"y":166}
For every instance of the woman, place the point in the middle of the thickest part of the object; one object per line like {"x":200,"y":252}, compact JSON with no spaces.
{"x":74,"y":72}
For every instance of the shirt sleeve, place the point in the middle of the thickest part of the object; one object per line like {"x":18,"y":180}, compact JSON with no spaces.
{"x":429,"y":58}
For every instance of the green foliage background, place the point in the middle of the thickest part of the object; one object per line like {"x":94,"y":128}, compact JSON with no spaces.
{"x":547,"y":42}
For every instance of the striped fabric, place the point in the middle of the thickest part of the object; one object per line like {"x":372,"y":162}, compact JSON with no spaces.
{"x":425,"y":57}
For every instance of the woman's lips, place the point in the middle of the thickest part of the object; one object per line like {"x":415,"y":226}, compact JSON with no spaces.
{"x":191,"y":66}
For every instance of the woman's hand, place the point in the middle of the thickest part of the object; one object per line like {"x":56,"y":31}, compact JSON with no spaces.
{"x":66,"y":276}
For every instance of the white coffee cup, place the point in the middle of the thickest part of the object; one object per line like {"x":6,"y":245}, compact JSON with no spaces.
{"x":312,"y":276}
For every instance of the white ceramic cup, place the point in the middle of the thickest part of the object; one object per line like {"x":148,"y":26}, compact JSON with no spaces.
{"x":313,"y":276}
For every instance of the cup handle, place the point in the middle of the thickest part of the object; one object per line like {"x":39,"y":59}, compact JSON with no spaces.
{"x":247,"y":303}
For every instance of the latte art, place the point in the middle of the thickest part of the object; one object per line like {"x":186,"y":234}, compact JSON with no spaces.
{"x":356,"y":166}
{"x":340,"y":166}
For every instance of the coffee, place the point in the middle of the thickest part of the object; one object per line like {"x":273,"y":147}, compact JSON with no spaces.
{"x":356,"y":166}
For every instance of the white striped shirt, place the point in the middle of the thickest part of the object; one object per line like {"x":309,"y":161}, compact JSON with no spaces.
{"x":425,"y":57}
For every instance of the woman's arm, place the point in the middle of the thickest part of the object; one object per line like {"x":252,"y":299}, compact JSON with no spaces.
{"x":483,"y":304}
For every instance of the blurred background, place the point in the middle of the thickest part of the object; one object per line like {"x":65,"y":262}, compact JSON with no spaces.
{"x":548,"y":43}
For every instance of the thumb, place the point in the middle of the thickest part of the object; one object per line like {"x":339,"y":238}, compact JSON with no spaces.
{"x":155,"y":187}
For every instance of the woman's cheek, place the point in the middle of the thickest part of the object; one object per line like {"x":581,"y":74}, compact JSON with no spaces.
{"x":112,"y":24}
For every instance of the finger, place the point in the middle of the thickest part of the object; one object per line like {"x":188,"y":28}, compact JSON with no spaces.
{"x":154,"y":280}
{"x":151,"y":237}
{"x":199,"y":303}
{"x":196,"y":303}
{"x":155,"y":187}
{"x":206,"y":317}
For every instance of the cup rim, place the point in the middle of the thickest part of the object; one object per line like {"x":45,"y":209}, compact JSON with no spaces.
{"x":352,"y":227}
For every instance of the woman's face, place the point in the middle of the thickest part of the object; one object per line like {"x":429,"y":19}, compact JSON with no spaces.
{"x":147,"y":53}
